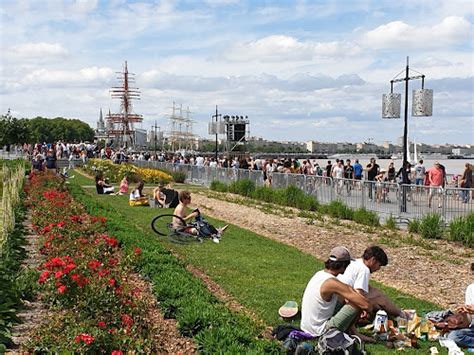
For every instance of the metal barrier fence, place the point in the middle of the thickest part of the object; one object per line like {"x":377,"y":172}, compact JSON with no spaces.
{"x":404,"y":202}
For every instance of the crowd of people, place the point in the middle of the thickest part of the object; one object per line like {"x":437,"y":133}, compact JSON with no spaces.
{"x":45,"y":156}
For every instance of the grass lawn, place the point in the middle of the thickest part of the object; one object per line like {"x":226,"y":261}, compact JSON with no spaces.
{"x":259,"y":273}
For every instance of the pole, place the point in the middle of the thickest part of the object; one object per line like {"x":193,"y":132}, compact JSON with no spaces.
{"x":217,"y":131}
{"x":405,"y":142}
{"x":405,"y":130}
{"x":155,"y":136}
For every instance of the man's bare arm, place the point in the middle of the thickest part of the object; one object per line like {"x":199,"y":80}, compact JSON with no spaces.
{"x":345,"y":291}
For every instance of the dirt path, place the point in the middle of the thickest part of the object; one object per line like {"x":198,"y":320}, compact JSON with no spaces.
{"x":437,"y":271}
{"x":34,"y":312}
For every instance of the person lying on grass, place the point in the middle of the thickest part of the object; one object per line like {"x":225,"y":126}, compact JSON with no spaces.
{"x":199,"y":227}
{"x":329,"y":303}
{"x":357,"y":275}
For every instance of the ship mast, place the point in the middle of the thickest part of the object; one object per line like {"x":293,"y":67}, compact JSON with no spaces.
{"x":121,"y":125}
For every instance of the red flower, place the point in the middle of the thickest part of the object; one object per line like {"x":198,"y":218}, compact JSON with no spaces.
{"x":103,"y":272}
{"x":44,"y":275}
{"x":111,"y":241}
{"x":113,"y":261}
{"x":61,"y":224}
{"x":75,"y":218}
{"x":47,"y":244}
{"x":62,"y":289}
{"x":55,"y":262}
{"x":58,"y":274}
{"x":101,"y":324}
{"x":112,"y":282}
{"x":137,"y":250}
{"x":69,"y":267}
{"x":86,"y":338}
{"x":94,"y":264}
{"x":127,"y":320}
{"x":116,"y":352}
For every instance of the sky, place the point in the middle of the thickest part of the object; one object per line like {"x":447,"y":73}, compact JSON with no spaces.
{"x":300,"y":70}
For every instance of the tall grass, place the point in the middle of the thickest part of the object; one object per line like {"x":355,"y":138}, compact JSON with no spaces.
{"x":431,"y":226}
{"x":462,"y":230}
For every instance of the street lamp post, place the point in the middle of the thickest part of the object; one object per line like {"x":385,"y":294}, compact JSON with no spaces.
{"x":422,"y":105}
{"x":215,"y":129}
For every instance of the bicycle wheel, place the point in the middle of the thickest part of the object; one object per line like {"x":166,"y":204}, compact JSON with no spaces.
{"x":163,"y":224}
{"x":181,"y":237}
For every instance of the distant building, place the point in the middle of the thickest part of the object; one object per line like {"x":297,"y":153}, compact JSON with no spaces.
{"x":101,"y":131}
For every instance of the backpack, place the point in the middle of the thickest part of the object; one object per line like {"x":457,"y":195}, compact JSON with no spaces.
{"x":335,"y":342}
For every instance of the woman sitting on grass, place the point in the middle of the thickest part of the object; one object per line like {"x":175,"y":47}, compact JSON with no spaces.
{"x":102,"y":186}
{"x":136,"y":196}
{"x":123,"y":190}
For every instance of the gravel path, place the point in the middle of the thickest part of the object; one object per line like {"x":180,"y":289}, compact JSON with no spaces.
{"x":439,"y":274}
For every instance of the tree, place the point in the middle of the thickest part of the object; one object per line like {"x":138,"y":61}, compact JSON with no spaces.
{"x":40,"y":129}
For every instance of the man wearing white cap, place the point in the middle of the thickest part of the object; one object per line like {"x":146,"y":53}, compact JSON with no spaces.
{"x":318,"y":309}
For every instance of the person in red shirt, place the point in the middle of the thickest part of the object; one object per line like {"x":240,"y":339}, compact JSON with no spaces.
{"x":436,"y":178}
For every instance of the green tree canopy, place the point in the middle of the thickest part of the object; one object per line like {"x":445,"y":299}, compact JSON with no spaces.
{"x":41,"y":129}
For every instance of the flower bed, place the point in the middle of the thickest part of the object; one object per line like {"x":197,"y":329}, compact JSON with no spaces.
{"x":84,"y":277}
{"x":115,"y":172}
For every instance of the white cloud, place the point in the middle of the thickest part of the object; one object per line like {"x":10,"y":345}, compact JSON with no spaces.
{"x":36,"y":51}
{"x":280,"y":47}
{"x":83,"y":6}
{"x":57,"y":78}
{"x":398,"y":34}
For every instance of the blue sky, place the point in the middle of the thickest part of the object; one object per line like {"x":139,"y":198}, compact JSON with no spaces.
{"x":301,"y":70}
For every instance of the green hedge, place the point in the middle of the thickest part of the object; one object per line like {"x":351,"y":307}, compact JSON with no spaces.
{"x":181,"y":295}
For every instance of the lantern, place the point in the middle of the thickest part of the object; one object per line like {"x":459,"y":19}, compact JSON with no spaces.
{"x":422,"y":103}
{"x":391,"y":105}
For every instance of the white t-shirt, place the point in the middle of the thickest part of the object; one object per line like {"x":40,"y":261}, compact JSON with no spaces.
{"x":315,"y":311}
{"x":200,"y":161}
{"x":134,"y":195}
{"x":338,"y":172}
{"x":470,"y":300}
{"x":470,"y":294}
{"x":356,"y":275}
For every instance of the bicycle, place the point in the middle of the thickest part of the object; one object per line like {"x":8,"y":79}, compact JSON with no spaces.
{"x":180,"y":231}
{"x":176,"y":232}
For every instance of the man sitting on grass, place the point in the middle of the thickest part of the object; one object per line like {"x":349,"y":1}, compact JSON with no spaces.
{"x":465,"y":337}
{"x":329,"y":303}
{"x":357,"y":275}
{"x":200,"y":227}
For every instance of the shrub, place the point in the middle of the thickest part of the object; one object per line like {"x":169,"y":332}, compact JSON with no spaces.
{"x":414,"y":226}
{"x":366,"y":217}
{"x":295,"y":197}
{"x":218,"y":186}
{"x":242,"y":187}
{"x":337,"y":209}
{"x":264,"y":193}
{"x":391,"y":223}
{"x":462,"y":230}
{"x":431,"y":226}
{"x":178,"y":176}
